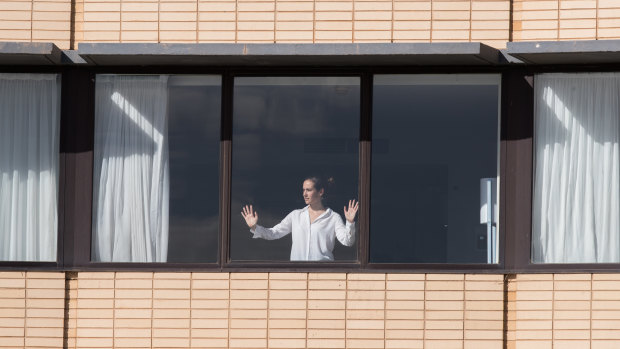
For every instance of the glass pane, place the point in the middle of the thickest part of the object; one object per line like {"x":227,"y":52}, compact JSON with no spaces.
{"x":435,"y":144}
{"x":194,"y":133}
{"x":29,"y":148}
{"x":156,"y":168}
{"x":286,"y":129}
{"x":576,"y":198}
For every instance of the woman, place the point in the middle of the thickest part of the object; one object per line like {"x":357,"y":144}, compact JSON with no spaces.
{"x":314,"y":227}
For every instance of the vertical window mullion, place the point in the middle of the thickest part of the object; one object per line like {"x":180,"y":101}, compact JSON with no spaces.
{"x":226,"y":166}
{"x":64,"y":139}
{"x":516,"y":163}
{"x":76,"y":148}
{"x":364,"y":172}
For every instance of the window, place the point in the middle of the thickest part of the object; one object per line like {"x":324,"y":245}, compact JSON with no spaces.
{"x":434,"y":169}
{"x":287,"y":129}
{"x":156,"y":168}
{"x":576,"y":195}
{"x":29,"y":148}
{"x":176,"y":159}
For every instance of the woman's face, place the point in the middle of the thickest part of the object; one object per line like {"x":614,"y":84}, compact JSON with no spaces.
{"x":311,"y":195}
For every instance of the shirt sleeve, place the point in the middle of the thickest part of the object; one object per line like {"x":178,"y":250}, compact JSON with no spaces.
{"x":279,"y":230}
{"x":345,"y":232}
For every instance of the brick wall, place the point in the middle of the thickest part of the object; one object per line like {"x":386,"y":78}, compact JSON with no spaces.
{"x":250,"y":310}
{"x":563,"y":311}
{"x":308,"y":310}
{"x":32,"y":309}
{"x":36,"y":21}
{"x":566,"y":20}
{"x":307,"y":21}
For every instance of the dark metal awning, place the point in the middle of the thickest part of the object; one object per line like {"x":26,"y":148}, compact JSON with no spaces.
{"x":566,"y":52}
{"x":29,"y":53}
{"x":435,"y":54}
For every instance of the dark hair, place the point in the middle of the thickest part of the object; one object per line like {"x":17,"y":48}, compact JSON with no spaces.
{"x":321,"y":183}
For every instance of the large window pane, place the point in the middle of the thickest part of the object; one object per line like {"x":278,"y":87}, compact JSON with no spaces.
{"x":434,"y":154}
{"x":286,"y":129}
{"x":29,"y":141}
{"x":156,"y":168}
{"x":576,"y":197}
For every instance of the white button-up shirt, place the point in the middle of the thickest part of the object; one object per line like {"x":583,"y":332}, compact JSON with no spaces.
{"x":311,"y":242}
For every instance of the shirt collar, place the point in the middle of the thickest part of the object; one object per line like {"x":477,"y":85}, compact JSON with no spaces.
{"x":327,"y":213}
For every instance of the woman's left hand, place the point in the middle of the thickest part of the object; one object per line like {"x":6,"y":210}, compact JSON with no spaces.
{"x":350,"y":213}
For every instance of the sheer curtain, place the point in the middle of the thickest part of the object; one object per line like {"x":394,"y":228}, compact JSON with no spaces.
{"x":130,"y":180}
{"x":29,"y":141}
{"x":576,"y":193}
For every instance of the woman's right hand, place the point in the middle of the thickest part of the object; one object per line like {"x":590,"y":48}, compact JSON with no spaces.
{"x":250,"y":216}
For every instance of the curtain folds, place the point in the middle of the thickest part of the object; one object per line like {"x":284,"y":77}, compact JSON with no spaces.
{"x":29,"y":147}
{"x":576,"y":194}
{"x":131,"y":172}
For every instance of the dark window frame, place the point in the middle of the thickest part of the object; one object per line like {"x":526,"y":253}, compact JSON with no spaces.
{"x":500,"y":159}
{"x":226,"y":261}
{"x":518,"y":259}
{"x":515,"y":156}
{"x":83,"y":205}
{"x":62,"y":175}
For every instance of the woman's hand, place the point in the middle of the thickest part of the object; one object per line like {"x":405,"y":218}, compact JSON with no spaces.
{"x":250,"y":216}
{"x":350,"y":213}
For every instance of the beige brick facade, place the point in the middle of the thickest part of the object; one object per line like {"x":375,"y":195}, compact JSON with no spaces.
{"x":566,"y":20}
{"x":308,"y":310}
{"x":494,"y":22}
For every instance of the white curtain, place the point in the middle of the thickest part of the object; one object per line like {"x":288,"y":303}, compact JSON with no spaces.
{"x":29,"y":145}
{"x":130,"y":180}
{"x":576,"y":181}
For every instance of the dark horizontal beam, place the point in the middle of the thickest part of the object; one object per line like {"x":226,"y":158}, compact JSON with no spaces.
{"x":29,"y":53}
{"x":315,"y":55}
{"x":566,"y":52}
{"x":466,"y":53}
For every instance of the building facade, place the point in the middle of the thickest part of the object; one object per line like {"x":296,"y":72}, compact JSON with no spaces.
{"x":480,"y":138}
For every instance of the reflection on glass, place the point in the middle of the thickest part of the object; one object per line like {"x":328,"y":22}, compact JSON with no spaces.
{"x":155,"y":185}
{"x":434,"y":148}
{"x":194,"y":134}
{"x":292,"y":135}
